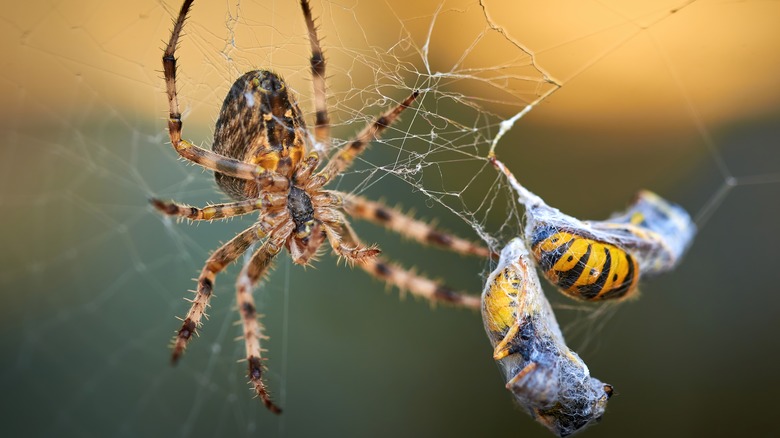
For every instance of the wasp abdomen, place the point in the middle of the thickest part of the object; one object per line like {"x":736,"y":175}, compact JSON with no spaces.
{"x":583,"y":267}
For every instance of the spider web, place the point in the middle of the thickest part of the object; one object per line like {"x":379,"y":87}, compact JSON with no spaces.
{"x":586,"y":102}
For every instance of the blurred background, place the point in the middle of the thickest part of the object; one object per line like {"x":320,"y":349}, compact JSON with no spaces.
{"x":679,"y":98}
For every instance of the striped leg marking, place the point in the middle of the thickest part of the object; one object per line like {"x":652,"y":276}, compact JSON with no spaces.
{"x":404,"y":225}
{"x":222,"y":257}
{"x":219,"y":211}
{"x":257,"y":267}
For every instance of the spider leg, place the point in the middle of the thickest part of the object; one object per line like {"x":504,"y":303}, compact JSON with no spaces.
{"x":257,"y":267}
{"x":322,"y":125}
{"x":406,"y":280}
{"x":219,"y":211}
{"x":222,"y":257}
{"x":203,"y":157}
{"x":346,"y":155}
{"x":356,"y":253}
{"x":333,"y":221}
{"x":426,"y":234}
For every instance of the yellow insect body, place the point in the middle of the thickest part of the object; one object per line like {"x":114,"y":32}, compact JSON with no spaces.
{"x":584,"y":268}
{"x":599,"y":260}
{"x":547,"y":379}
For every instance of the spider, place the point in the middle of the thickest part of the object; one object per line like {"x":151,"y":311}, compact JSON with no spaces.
{"x":259,"y":160}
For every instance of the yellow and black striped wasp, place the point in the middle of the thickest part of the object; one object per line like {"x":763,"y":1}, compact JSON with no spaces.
{"x":602,"y":260}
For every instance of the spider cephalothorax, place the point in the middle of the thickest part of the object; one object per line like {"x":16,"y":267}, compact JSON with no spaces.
{"x":260,"y":123}
{"x":259,"y":158}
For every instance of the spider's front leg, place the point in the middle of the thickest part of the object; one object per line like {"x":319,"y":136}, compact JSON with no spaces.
{"x":257,"y":267}
{"x":203,"y":157}
{"x":322,"y":125}
{"x":407,"y":280}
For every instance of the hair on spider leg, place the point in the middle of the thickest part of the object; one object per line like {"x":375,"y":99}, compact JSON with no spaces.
{"x":426,"y":233}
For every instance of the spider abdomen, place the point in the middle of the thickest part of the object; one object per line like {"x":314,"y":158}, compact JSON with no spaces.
{"x":259,"y":123}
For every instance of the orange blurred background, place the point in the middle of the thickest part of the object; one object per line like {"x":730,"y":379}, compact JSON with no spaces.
{"x":722,"y":57}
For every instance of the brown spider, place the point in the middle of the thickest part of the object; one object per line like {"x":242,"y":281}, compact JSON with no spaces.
{"x":259,"y":159}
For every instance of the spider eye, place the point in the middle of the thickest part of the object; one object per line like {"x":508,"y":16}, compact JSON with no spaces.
{"x":304,"y":230}
{"x":270,"y":82}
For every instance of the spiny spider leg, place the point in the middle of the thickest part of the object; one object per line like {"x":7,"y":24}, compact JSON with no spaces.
{"x":220,"y":211}
{"x":426,"y":234}
{"x":333,"y":222}
{"x":346,"y":155}
{"x":406,"y":280}
{"x":424,"y":287}
{"x":251,"y":274}
{"x":322,"y":125}
{"x":203,"y":157}
{"x":222,"y":257}
{"x":354,"y":254}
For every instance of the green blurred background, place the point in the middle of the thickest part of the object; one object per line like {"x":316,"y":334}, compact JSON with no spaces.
{"x":679,"y":100}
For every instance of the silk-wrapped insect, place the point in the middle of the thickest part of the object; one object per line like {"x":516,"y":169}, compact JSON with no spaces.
{"x":601,"y":260}
{"x":547,"y":379}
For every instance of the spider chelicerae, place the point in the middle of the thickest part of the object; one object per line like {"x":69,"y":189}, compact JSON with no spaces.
{"x":259,"y":159}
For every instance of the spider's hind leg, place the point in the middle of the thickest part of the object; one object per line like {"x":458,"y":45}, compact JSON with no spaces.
{"x":222,"y":257}
{"x":407,"y":280}
{"x":424,"y":287}
{"x":257,"y":268}
{"x":345,"y":243}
